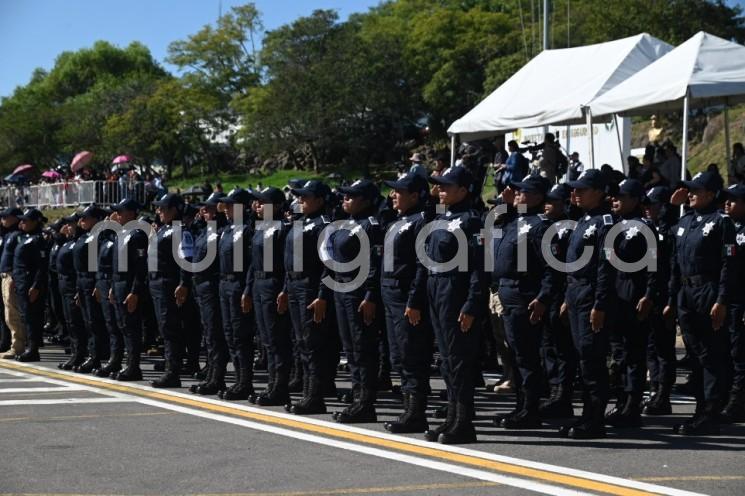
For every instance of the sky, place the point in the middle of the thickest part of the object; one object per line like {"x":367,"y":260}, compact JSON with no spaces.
{"x":34,"y":32}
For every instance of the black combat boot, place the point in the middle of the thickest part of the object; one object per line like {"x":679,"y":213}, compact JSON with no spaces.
{"x":296,"y":378}
{"x":169,"y":379}
{"x":113,"y":365}
{"x":193,"y":388}
{"x":243,"y":388}
{"x":704,"y":422}
{"x":628,"y":416}
{"x":462,"y":431}
{"x":215,"y":381}
{"x":361,"y":411}
{"x":434,"y":434}
{"x":312,"y":403}
{"x":558,"y":405}
{"x":734,"y":412}
{"x":88,"y":366}
{"x":132,"y":372}
{"x":30,"y":355}
{"x":279,"y":394}
{"x":526,"y":418}
{"x":660,"y":403}
{"x":414,"y":418}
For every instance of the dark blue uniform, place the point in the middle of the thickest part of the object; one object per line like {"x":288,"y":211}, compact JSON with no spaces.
{"x":30,"y":267}
{"x":68,"y":289}
{"x":702,"y":275}
{"x":263,"y":285}
{"x":735,"y":409}
{"x":591,"y":287}
{"x":133,"y":245}
{"x":237,"y":326}
{"x":98,"y":339}
{"x":449,"y":294}
{"x":104,"y":275}
{"x":55,"y":300}
{"x":5,"y":338}
{"x":207,"y":292}
{"x":517,"y":289}
{"x":360,"y":340}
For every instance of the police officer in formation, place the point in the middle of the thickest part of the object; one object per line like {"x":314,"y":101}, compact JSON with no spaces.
{"x":584,"y":271}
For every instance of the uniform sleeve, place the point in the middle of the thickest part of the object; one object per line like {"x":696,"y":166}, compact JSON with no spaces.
{"x":250,"y":277}
{"x":186,"y":252}
{"x":548,"y":278}
{"x":372,"y":282}
{"x":138,"y":256}
{"x":727,"y":272}
{"x":324,"y":292}
{"x":653,"y":275}
{"x":477,"y":277}
{"x":674,"y":284}
{"x":418,"y":290}
{"x":40,"y":278}
{"x":606,"y":273}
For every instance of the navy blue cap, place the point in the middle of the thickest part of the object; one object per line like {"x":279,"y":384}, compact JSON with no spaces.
{"x":707,"y":180}
{"x":559,"y":192}
{"x":73,"y":218}
{"x":361,"y":187}
{"x":238,"y":195}
{"x":589,"y":179}
{"x":33,"y":214}
{"x":312,"y":188}
{"x":458,"y":176}
{"x":127,"y":204}
{"x":631,"y":187}
{"x":270,"y":195}
{"x":57,"y":224}
{"x":93,"y":211}
{"x":190,"y":210}
{"x":532,"y":184}
{"x":213,"y":199}
{"x":296,"y":183}
{"x":736,"y":191}
{"x":658,"y":194}
{"x":14,"y":211}
{"x":170,"y":200}
{"x":411,"y":182}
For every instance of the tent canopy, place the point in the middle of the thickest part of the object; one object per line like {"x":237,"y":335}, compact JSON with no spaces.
{"x":710,"y":69}
{"x":555,"y":86}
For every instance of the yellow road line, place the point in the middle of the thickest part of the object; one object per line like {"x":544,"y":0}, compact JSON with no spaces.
{"x":673,"y":478}
{"x":474,"y":461}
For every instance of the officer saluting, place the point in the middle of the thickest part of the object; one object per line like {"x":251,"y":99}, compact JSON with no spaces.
{"x":30,"y":278}
{"x":404,"y":295}
{"x":637,"y":292}
{"x":589,"y":297}
{"x":700,"y":287}
{"x":525,"y":292}
{"x":455,"y":298}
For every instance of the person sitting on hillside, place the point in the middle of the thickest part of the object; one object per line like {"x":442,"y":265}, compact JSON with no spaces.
{"x":736,"y":170}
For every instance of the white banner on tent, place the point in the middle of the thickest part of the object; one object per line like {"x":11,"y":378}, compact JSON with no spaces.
{"x":575,"y":139}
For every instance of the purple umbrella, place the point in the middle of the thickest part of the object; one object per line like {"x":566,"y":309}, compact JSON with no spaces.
{"x":50,"y":174}
{"x":22,"y":169}
{"x":81,"y":160}
{"x":121,"y":159}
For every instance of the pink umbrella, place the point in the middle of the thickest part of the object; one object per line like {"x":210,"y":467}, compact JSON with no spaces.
{"x":50,"y":174}
{"x":81,"y":160}
{"x":22,"y":169}
{"x":121,"y":159}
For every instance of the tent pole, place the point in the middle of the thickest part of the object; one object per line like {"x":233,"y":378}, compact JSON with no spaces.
{"x":684,"y":147}
{"x":620,"y":146}
{"x":727,"y":149}
{"x":590,"y":137}
{"x":452,"y":151}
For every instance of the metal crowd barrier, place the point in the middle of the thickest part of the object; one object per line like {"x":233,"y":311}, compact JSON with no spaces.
{"x":71,"y":194}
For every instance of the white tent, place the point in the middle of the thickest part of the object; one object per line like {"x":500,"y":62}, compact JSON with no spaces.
{"x":703,"y":71}
{"x":554,"y":87}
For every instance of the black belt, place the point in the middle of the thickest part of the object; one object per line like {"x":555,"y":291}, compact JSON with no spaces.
{"x":509,"y":283}
{"x":387,"y":282}
{"x":579,"y":280}
{"x":232,"y":277}
{"x":696,"y":280}
{"x":162,"y":275}
{"x":260,"y":274}
{"x":104,"y":276}
{"x":199,"y":279}
{"x":296,"y":276}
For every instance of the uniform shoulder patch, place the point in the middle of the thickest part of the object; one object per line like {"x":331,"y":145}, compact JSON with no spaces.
{"x":608,"y":219}
{"x":325,"y":219}
{"x":542,"y":217}
{"x":373,"y":221}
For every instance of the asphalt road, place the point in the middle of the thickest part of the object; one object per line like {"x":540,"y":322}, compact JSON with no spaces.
{"x":65,"y":433}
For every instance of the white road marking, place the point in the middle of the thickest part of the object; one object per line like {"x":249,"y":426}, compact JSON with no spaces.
{"x":20,"y":379}
{"x":64,"y":401}
{"x":40,"y":389}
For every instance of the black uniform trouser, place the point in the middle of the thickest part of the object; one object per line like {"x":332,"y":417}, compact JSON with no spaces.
{"x":274,"y":329}
{"x":360,"y":340}
{"x":116,"y":338}
{"x":661,"y":349}
{"x":737,"y":345}
{"x":32,"y":313}
{"x":458,"y":350}
{"x":524,"y":338}
{"x":73,"y":315}
{"x":709,"y":365}
{"x":208,"y":299}
{"x":238,"y":327}
{"x":557,"y":350}
{"x":191,"y":328}
{"x":592,"y":348}
{"x":162,"y":290}
{"x":632,"y":334}
{"x":4,"y":329}
{"x":129,"y":324}
{"x":98,"y":338}
{"x":55,"y":303}
{"x":316,"y":341}
{"x":410,"y":346}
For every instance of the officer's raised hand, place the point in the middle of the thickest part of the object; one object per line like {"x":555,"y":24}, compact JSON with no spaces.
{"x":367,"y":309}
{"x":319,"y":310}
{"x":537,"y":309}
{"x":33,"y":294}
{"x":597,"y":320}
{"x":465,"y":321}
{"x":414,"y":316}
{"x":180,"y":294}
{"x":679,"y":197}
{"x":508,"y":196}
{"x":131,"y":302}
{"x":283,"y":303}
{"x":247,"y":304}
{"x":718,"y":314}
{"x":643,"y":308}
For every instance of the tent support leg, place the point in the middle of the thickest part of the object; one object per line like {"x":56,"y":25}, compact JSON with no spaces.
{"x":590,"y":137}
{"x":684,"y":146}
{"x":620,"y":146}
{"x":727,"y":147}
{"x":452,"y":151}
